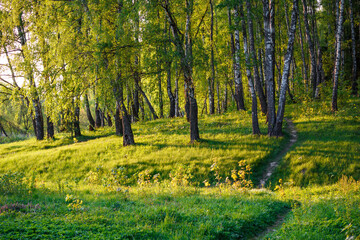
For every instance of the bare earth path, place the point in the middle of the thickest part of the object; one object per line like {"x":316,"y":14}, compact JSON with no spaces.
{"x":275,"y":162}
{"x":270,"y":170}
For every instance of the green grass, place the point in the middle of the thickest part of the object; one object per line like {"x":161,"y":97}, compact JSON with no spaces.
{"x":327,"y":212}
{"x":161,"y":146}
{"x":155,"y":189}
{"x":328,"y":145}
{"x":141,"y":214}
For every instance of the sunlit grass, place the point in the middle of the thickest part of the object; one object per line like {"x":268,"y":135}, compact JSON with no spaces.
{"x":161,"y":146}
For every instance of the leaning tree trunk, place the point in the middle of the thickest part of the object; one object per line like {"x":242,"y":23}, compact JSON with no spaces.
{"x":2,"y":130}
{"x":50,"y":128}
{"x":339,"y":27}
{"x":239,"y":91}
{"x":88,"y":113}
{"x":311,"y":48}
{"x":255,"y":123}
{"x":269,"y":62}
{"x":354,"y":86}
{"x":277,"y":131}
{"x":155,"y":116}
{"x":258,"y":86}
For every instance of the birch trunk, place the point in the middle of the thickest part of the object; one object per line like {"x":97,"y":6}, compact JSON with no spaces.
{"x":311,"y":48}
{"x":269,"y":63}
{"x":212,"y":78}
{"x":239,"y":90}
{"x":285,"y":76}
{"x":186,"y":65}
{"x":305,"y":68}
{"x":255,"y":123}
{"x":258,"y":86}
{"x":339,"y":27}
{"x":354,"y":86}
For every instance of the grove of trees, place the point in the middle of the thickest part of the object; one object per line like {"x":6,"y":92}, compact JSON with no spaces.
{"x":121,"y":61}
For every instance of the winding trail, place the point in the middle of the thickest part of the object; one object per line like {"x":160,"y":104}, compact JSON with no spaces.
{"x":270,"y":170}
{"x":275,"y":162}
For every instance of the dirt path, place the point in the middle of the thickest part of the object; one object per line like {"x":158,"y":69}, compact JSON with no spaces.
{"x":275,"y":162}
{"x":270,"y":170}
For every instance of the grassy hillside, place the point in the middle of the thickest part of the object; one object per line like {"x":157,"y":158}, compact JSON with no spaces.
{"x":161,"y":146}
{"x":166,"y":188}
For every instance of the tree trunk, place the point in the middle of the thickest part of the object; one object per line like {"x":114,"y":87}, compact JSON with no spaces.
{"x":136,"y":104}
{"x":155,"y":116}
{"x":177,"y":108}
{"x":261,"y":72}
{"x":50,"y":128}
{"x":39,"y":122}
{"x":168,"y":80}
{"x":2,"y":130}
{"x":255,"y":123}
{"x":269,"y":63}
{"x":258,"y":87}
{"x":239,"y":91}
{"x":170,"y":94}
{"x":161,"y":104}
{"x":305,"y":68}
{"x":339,"y":27}
{"x":77,"y":121}
{"x":218,"y":97}
{"x":88,"y":114}
{"x":354,"y":86}
{"x":118,"y":121}
{"x":97,"y":114}
{"x":108,"y":118}
{"x":186,"y":64}
{"x":311,"y":48}
{"x":224,"y":106}
{"x":277,"y":131}
{"x":212,"y":78}
{"x":128,"y":137}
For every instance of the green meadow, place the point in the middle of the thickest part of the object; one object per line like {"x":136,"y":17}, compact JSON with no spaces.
{"x":92,"y":187}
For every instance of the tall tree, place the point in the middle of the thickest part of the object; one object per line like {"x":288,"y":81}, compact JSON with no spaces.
{"x":255,"y":123}
{"x":339,"y":28}
{"x":269,"y":63}
{"x":311,"y":48}
{"x":185,"y":63}
{"x":277,"y":131}
{"x":258,"y":85}
{"x":239,"y":90}
{"x":354,"y":86}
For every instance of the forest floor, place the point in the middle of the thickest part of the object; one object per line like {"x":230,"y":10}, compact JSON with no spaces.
{"x":165,"y":188}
